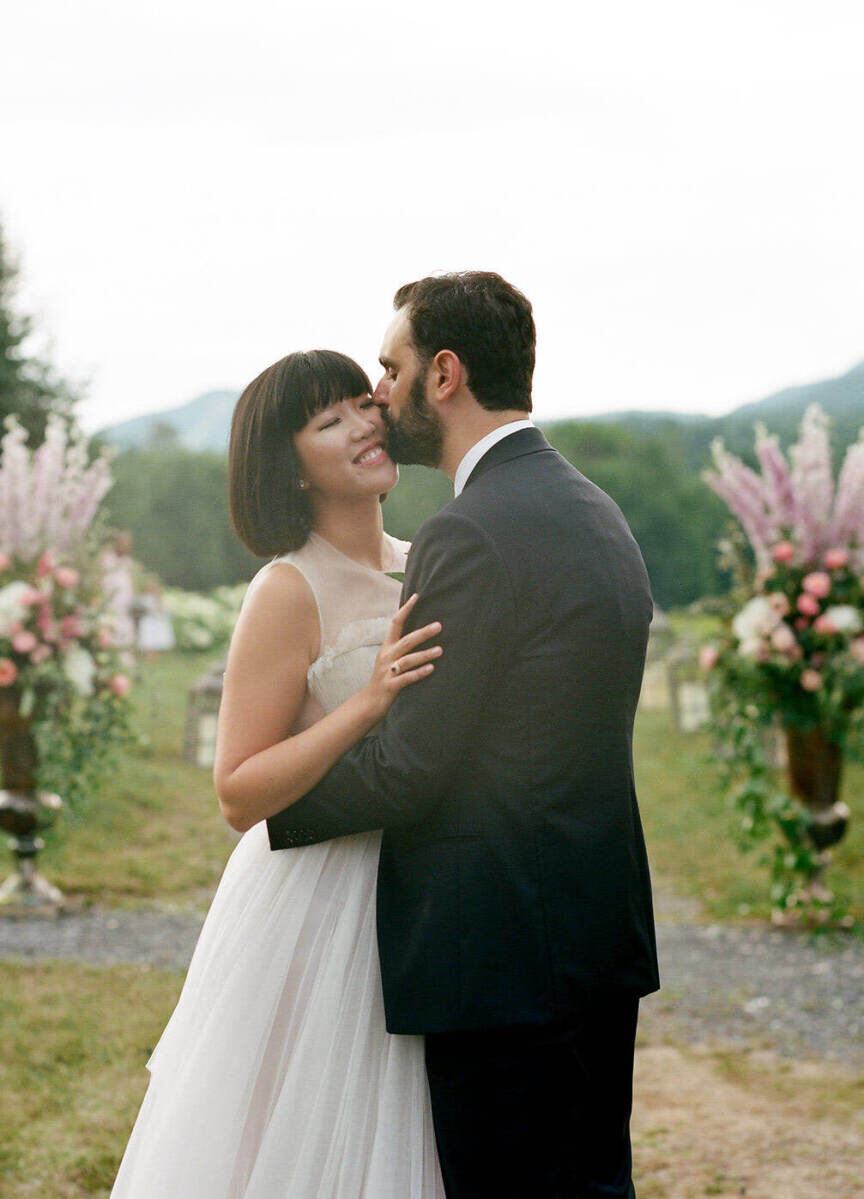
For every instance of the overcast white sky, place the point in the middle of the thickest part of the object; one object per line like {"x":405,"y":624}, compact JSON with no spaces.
{"x":194,"y":189}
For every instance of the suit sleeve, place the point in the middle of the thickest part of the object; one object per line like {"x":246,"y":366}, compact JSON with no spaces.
{"x":399,"y":774}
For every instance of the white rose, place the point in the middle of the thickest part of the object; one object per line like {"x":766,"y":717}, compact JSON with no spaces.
{"x":783,"y":639}
{"x":11,"y":607}
{"x":844,"y":618}
{"x":758,"y":618}
{"x":79,"y":668}
{"x":752,"y":647}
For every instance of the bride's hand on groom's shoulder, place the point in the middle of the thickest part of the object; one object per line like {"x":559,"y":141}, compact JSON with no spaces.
{"x":400,"y":661}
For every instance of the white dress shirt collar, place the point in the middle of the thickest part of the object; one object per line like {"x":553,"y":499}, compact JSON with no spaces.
{"x":477,"y":450}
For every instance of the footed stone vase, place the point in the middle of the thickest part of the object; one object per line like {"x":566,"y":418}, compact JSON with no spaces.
{"x":24,"y":812}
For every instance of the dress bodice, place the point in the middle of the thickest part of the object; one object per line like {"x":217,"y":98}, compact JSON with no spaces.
{"x":355,"y":606}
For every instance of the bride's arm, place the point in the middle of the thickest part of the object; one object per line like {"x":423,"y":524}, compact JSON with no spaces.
{"x":260,"y":767}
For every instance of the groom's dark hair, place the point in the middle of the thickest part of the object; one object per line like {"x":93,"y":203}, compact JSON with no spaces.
{"x":486,"y":322}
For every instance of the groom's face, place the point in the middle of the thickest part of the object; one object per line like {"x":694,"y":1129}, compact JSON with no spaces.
{"x":414,"y":430}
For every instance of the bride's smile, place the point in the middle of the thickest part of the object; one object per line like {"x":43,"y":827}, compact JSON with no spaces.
{"x":341,"y":450}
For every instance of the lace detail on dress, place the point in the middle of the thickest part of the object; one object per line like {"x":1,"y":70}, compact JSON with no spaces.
{"x":355,"y":650}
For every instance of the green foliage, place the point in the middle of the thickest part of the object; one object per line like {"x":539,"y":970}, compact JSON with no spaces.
{"x":673,"y":516}
{"x":765,"y":815}
{"x":174,"y":501}
{"x":79,"y":744}
{"x":747,"y":699}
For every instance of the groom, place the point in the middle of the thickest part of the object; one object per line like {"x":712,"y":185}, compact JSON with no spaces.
{"x":515,"y":926}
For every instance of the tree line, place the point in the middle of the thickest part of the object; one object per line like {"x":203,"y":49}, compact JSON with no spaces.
{"x":174,"y":502}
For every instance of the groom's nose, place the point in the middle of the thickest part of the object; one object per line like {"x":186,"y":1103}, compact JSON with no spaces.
{"x":381,"y":394}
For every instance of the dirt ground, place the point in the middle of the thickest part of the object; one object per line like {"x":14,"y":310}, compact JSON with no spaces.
{"x":707,"y":1122}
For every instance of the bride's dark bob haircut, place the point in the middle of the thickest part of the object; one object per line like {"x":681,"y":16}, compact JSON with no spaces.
{"x":270,"y":512}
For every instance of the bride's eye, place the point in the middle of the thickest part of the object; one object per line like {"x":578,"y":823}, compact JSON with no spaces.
{"x":334,"y":420}
{"x":370,"y":403}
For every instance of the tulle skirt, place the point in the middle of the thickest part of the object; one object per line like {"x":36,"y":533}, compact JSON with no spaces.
{"x":275,"y":1075}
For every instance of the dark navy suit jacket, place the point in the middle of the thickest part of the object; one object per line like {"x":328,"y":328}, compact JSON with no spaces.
{"x":513,"y":877}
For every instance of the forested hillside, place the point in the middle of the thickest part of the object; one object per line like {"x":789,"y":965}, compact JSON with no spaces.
{"x":172,"y":495}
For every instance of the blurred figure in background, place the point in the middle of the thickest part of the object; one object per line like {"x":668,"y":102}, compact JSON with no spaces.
{"x":155,"y":630}
{"x":119,"y":587}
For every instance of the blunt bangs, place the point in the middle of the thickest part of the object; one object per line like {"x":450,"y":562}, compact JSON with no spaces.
{"x":270,"y":512}
{"x":315,"y":380}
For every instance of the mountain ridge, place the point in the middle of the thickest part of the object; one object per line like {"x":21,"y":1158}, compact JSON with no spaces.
{"x":204,"y":422}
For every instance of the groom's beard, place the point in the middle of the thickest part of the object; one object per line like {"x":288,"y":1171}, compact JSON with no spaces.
{"x":417,"y":435}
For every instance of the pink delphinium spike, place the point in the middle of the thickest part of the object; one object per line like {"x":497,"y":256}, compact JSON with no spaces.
{"x":847,"y":524}
{"x":813,"y":480}
{"x":778,"y":480}
{"x":46,"y":494}
{"x":744,"y":492}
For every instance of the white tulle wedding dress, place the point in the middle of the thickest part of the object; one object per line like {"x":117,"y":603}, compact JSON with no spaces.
{"x":275,"y":1077}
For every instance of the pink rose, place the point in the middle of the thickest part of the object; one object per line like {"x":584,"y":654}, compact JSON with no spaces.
{"x":807,"y":604}
{"x":120,"y":684}
{"x":4,"y":560}
{"x":8,"y":672}
{"x":817,"y":583}
{"x":856,"y":649}
{"x":783,"y":639}
{"x":32,"y":596}
{"x":801,"y":623}
{"x":835,"y":558}
{"x":66,"y":576}
{"x":824,"y":624}
{"x":24,"y":642}
{"x":783,"y":551}
{"x":70,"y":626}
{"x":40,"y":653}
{"x":708,"y":657}
{"x":45,"y":564}
{"x":779,"y":603}
{"x":48,"y":629}
{"x":811,"y":680}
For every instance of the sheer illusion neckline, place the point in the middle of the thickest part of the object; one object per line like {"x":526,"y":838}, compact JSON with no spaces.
{"x":388,"y":543}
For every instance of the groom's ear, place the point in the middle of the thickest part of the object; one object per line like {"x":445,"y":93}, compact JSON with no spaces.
{"x":448,"y":375}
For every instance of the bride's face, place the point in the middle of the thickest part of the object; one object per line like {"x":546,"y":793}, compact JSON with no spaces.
{"x":341,"y":450}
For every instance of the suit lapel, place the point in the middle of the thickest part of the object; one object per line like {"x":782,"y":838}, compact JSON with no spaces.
{"x":515,"y":445}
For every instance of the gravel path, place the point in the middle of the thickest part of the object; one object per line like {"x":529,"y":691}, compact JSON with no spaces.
{"x":802,"y":995}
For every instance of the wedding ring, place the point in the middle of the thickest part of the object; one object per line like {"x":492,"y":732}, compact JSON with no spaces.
{"x":395,"y":667}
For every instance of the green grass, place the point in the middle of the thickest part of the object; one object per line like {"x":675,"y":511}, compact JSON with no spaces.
{"x":76,"y":1038}
{"x":687,"y":827}
{"x":73,"y":1051}
{"x":154,"y":835}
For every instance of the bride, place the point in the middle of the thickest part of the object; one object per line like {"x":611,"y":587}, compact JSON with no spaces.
{"x":275,"y":1076}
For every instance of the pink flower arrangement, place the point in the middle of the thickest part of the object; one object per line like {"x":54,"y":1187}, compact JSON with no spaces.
{"x":52,"y":624}
{"x":792,"y":512}
{"x":803,"y":627}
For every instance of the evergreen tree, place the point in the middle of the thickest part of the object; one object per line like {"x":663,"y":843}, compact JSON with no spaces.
{"x":29,"y":386}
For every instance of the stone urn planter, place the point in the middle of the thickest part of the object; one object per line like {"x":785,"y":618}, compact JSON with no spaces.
{"x":814,"y":768}
{"x":24,"y":812}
